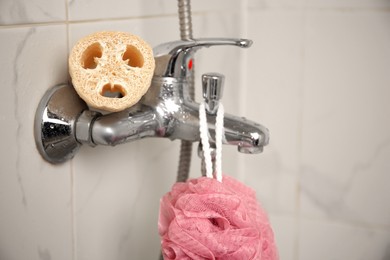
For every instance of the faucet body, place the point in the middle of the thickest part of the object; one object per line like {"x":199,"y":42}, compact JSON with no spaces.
{"x":167,"y":111}
{"x":63,"y":121}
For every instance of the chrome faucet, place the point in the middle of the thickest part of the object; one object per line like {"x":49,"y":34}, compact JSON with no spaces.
{"x":63,"y":121}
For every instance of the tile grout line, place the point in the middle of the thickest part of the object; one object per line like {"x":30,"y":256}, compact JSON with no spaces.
{"x":73,"y":210}
{"x":67,"y":21}
{"x":318,"y":9}
{"x":300,"y":134}
{"x":72,"y":184}
{"x":243,"y":80}
{"x":348,"y":223}
{"x":113,"y":19}
{"x":298,"y":220}
{"x":95,"y":20}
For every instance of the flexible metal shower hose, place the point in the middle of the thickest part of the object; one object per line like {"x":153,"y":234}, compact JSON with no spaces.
{"x":186,"y":146}
{"x":185,"y":21}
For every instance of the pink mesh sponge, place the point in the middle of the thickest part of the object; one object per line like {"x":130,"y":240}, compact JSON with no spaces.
{"x":207,"y":219}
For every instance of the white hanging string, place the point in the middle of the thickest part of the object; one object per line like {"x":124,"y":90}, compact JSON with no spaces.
{"x":219,"y":133}
{"x":204,"y":135}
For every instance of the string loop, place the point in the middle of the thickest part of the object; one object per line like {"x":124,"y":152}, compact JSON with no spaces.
{"x":219,"y":136}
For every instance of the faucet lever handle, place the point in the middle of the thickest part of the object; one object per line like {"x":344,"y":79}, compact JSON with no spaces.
{"x":212,"y":88}
{"x":172,"y":58}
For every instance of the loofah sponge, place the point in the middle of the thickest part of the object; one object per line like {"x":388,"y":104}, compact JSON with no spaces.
{"x":111,"y":71}
{"x":207,"y":219}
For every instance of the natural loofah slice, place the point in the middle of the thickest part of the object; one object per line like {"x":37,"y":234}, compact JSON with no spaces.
{"x":111,"y":71}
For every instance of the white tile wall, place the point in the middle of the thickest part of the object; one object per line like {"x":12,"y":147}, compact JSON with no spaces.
{"x":88,"y":10}
{"x":273,"y":97}
{"x":330,"y":240}
{"x":322,"y":73}
{"x":317,"y":76}
{"x":33,"y":11}
{"x":346,"y":134}
{"x":35,"y":197}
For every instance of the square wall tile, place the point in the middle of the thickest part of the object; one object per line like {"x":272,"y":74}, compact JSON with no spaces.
{"x":153,"y":30}
{"x":117,"y":192}
{"x":285,"y":232}
{"x":272,"y":97}
{"x":31,"y":11}
{"x":345,"y":127}
{"x":274,"y":4}
{"x":345,"y":5}
{"x":103,"y":10}
{"x":348,"y":4}
{"x":214,"y":6}
{"x":35,"y":197}
{"x":337,"y":241}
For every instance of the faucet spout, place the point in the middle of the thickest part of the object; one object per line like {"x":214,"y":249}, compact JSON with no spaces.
{"x":135,"y":123}
{"x":248,"y":136}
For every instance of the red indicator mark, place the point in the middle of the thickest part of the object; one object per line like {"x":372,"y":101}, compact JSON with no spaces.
{"x":190,"y":64}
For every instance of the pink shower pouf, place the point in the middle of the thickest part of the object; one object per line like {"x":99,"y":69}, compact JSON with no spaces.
{"x":206,"y":219}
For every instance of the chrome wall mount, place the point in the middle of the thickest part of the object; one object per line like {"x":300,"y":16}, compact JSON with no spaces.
{"x":54,"y":126}
{"x":63,"y":121}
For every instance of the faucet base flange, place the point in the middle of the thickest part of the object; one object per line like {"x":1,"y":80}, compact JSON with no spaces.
{"x":54,"y":126}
